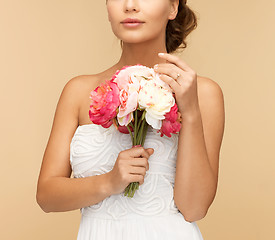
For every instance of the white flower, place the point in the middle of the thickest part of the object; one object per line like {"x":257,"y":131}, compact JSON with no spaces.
{"x":156,"y":100}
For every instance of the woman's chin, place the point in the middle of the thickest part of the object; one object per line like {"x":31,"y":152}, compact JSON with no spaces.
{"x":133,"y":39}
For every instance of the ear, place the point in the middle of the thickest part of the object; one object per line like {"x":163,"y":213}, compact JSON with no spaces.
{"x":173,"y":9}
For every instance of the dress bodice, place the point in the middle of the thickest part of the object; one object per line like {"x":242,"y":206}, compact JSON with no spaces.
{"x":94,"y":150}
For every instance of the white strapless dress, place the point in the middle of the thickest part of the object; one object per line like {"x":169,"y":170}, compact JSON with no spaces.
{"x":151,"y":214}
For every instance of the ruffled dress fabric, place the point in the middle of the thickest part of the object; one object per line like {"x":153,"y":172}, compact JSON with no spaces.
{"x":151,"y":213}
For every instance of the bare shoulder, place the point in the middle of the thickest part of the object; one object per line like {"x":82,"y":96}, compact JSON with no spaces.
{"x":77,"y":90}
{"x":208,"y":86}
{"x":81,"y":86}
{"x":79,"y":83}
{"x":70,"y":101}
{"x":210,"y":94}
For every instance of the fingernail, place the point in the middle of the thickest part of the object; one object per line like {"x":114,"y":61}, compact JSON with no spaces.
{"x":156,"y":66}
{"x":160,"y":54}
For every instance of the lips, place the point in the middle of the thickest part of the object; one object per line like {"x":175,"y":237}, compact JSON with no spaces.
{"x":132,"y":20}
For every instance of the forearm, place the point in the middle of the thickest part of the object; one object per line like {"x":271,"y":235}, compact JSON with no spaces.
{"x":60,"y":194}
{"x":195,"y":184}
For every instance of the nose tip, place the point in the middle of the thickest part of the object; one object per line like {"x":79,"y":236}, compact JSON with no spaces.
{"x":134,"y":9}
{"x":131,"y":6}
{"x":127,"y":10}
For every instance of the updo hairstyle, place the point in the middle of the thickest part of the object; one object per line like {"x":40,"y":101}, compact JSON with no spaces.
{"x":178,"y":29}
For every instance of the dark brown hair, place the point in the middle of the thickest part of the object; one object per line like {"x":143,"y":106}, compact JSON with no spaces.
{"x":179,"y":28}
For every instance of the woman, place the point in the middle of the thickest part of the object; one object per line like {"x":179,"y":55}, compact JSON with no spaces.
{"x":181,"y":183}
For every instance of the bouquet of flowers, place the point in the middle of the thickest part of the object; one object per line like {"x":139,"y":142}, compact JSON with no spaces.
{"x":134,"y":98}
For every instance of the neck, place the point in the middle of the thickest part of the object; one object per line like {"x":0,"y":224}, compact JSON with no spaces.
{"x":144,"y":53}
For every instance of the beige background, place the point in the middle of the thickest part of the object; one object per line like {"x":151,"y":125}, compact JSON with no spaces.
{"x":44,"y":44}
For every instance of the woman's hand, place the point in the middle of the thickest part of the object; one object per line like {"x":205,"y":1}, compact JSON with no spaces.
{"x":131,"y":166}
{"x":183,"y":81}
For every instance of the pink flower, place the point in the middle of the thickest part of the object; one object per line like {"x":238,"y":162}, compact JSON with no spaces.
{"x":171,"y":122}
{"x":122,"y":129}
{"x":128,"y":81}
{"x":104,"y":104}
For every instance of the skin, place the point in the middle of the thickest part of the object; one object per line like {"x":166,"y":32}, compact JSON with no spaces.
{"x":200,"y":102}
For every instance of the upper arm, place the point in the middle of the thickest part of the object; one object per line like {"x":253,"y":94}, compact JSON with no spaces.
{"x":211,"y":103}
{"x":56,"y":156}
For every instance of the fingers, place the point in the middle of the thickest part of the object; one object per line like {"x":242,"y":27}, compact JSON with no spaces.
{"x":176,"y":60}
{"x":141,"y":152}
{"x":137,"y":178}
{"x":168,"y":73}
{"x":170,"y":81}
{"x":150,"y":150}
{"x":170,"y":70}
{"x":138,"y":170}
{"x":137,"y":174}
{"x":141,"y":162}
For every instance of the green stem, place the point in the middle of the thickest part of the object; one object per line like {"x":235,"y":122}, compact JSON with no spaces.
{"x":126,"y":190}
{"x":133,"y":137}
{"x":140,"y":132}
{"x":130,"y":134}
{"x":130,"y":189}
{"x":139,"y":122}
{"x":145,"y":133}
{"x":135,"y":129}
